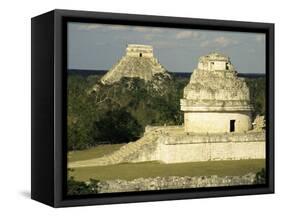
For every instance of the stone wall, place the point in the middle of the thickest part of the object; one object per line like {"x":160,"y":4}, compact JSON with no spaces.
{"x":174,"y":146}
{"x":180,"y":153}
{"x":171,"y":145}
{"x":136,"y":50}
{"x":173,"y":182}
{"x":215,"y":122}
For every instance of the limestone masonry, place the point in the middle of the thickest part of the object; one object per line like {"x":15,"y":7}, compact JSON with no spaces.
{"x":216,"y":100}
{"x":138,"y":62}
{"x":217,"y":118}
{"x":173,"y":182}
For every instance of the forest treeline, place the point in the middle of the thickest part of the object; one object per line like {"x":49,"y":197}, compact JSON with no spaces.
{"x":118,"y":113}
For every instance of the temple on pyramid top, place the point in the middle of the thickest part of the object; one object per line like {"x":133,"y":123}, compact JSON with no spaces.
{"x":139,"y":50}
{"x":138,"y":62}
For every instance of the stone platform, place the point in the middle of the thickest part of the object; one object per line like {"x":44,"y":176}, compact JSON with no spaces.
{"x":170,"y":144}
{"x":176,"y":146}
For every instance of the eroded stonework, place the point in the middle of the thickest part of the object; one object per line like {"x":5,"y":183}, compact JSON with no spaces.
{"x":139,"y":62}
{"x":216,"y":100}
{"x":174,"y":182}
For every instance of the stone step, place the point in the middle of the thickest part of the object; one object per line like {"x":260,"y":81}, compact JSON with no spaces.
{"x":121,"y":154}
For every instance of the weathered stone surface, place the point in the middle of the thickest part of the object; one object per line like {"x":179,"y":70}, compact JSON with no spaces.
{"x":215,"y":81}
{"x":131,"y":152}
{"x":138,"y":62}
{"x":173,"y":182}
{"x":215,"y":96}
{"x":259,"y":123}
{"x":172,"y":145}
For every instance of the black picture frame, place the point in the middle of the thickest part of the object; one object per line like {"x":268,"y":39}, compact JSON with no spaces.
{"x":48,"y":149}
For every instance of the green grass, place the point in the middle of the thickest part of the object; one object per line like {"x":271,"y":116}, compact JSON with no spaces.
{"x":131,"y":171}
{"x":95,"y":152}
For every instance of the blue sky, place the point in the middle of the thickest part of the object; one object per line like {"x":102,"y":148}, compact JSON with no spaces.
{"x":99,"y":46}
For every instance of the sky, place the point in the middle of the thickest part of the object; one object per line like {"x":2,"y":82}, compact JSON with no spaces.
{"x":99,"y":46}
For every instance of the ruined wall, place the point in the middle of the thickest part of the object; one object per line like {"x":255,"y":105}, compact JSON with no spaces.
{"x":172,"y":145}
{"x":181,"y":148}
{"x":173,"y":182}
{"x":179,"y":153}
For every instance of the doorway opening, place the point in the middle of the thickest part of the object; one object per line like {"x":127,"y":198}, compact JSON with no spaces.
{"x":140,"y":54}
{"x":227,"y":66}
{"x":232,"y":125}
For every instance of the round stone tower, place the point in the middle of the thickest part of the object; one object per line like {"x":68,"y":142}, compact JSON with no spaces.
{"x":216,"y":100}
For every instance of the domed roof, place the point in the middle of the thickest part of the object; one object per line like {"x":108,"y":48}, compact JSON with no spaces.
{"x":214,"y":85}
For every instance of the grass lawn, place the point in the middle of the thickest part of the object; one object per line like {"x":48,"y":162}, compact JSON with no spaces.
{"x":131,"y":171}
{"x":96,"y":152}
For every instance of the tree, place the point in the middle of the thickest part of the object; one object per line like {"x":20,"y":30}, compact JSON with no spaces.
{"x":79,"y":188}
{"x":260,"y":177}
{"x":120,"y":112}
{"x":257,"y":95}
{"x":116,"y":126}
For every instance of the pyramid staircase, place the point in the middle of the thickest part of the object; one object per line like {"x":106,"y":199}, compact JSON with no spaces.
{"x":144,"y":68}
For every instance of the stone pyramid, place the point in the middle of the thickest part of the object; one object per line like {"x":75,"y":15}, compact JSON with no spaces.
{"x":138,"y":62}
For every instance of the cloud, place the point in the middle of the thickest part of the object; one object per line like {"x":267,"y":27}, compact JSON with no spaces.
{"x":102,"y":27}
{"x":187,"y":34}
{"x":224,"y":41}
{"x":88,"y":26}
{"x":260,"y":38}
{"x":118,"y":27}
{"x":164,"y":44}
{"x":148,"y":29}
{"x":148,"y":33}
{"x":205,"y":43}
{"x":221,"y":41}
{"x":148,"y":37}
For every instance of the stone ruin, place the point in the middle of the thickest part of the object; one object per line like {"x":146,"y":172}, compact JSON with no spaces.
{"x":259,"y":123}
{"x":139,"y":62}
{"x":217,"y":123}
{"x":216,"y":100}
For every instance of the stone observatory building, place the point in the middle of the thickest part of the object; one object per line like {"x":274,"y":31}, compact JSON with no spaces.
{"x":138,"y":62}
{"x":216,"y":100}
